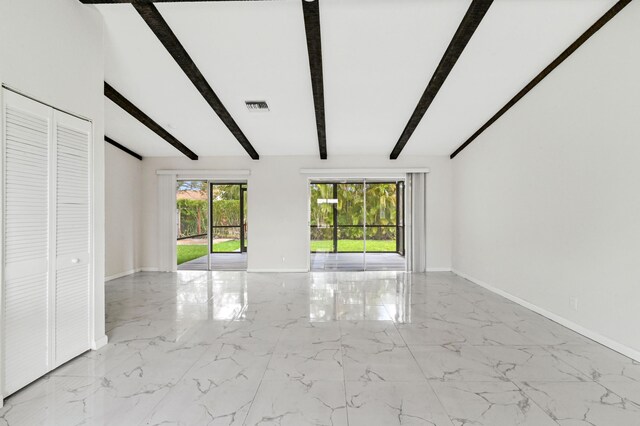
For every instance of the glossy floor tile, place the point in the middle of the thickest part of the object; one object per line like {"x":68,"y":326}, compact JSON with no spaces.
{"x":328,"y":348}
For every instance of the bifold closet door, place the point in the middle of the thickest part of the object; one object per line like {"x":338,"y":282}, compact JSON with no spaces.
{"x":47,"y":235}
{"x":72,"y":236}
{"x":27,"y":314}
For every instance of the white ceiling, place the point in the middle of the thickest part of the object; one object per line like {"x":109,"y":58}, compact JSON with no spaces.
{"x":141,"y":69}
{"x":378,"y":56}
{"x":515,"y":41}
{"x":254,"y":51}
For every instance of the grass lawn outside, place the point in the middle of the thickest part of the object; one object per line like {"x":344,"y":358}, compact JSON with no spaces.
{"x":231,"y":245}
{"x":354,"y":245}
{"x":190,"y":252}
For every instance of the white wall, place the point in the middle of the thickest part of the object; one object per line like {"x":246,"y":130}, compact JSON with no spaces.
{"x":123,"y":238}
{"x":278,"y":205}
{"x":53,"y":51}
{"x":547,"y":200}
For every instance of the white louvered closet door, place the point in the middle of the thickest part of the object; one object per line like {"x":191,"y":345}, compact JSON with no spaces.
{"x":27,"y":315}
{"x":72,"y":236}
{"x":46,"y":239}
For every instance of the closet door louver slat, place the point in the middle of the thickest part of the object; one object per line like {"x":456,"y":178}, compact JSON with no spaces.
{"x":72,"y":238}
{"x":26,"y":244}
{"x":72,"y":312}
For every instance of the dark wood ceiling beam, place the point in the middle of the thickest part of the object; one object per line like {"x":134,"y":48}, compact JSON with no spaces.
{"x":156,"y":1}
{"x":311,"y":12}
{"x":122,"y":148}
{"x":114,"y":96}
{"x":463,"y":34}
{"x":545,"y":72}
{"x":163,"y":32}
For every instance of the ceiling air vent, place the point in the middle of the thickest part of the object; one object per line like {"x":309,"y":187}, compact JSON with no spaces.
{"x":257,"y":106}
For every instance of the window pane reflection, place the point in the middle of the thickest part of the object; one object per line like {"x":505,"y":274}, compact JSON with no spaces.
{"x":379,"y":300}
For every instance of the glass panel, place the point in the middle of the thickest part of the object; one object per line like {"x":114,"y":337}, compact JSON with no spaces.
{"x":381,"y":239}
{"x":322,"y":207}
{"x":381,"y":204}
{"x":322,"y":239}
{"x":228,"y":217}
{"x":225,"y":202}
{"x":321,"y":204}
{"x":225,"y":240}
{"x":191,"y":206}
{"x":350,"y":235}
{"x":384,"y":208}
{"x":350,"y":204}
{"x":351,"y":239}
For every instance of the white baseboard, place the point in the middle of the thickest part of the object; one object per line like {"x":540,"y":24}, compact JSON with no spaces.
{"x":278,"y":270}
{"x":603,"y":340}
{"x":97,"y":344}
{"x":438,"y":269}
{"x":132,"y":271}
{"x":120,"y":274}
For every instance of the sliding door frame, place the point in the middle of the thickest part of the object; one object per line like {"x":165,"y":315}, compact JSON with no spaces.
{"x":381,"y":173}
{"x":401,"y":247}
{"x":243,"y":187}
{"x":167,"y":215}
{"x":209,"y":217}
{"x":334,"y":183}
{"x":243,"y":218}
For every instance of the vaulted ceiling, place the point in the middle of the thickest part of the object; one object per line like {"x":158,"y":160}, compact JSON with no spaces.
{"x":377,"y":58}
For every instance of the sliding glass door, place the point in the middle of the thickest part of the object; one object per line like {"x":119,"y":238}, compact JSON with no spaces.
{"x":355,"y":223}
{"x":228,"y":222}
{"x":212,"y":225}
{"x":324,"y":200}
{"x":350,"y":218}
{"x":382,"y":218}
{"x":192,"y":210}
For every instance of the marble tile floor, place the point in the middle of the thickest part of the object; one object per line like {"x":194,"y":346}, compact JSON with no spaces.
{"x":372,"y":348}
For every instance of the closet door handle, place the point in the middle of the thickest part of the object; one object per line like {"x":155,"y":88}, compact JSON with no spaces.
{"x":75,"y":260}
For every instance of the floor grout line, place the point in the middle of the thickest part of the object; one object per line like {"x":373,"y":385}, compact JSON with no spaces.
{"x":535,"y":402}
{"x":264,"y":373}
{"x":423,"y":373}
{"x":344,"y":374}
{"x":153,"y":409}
